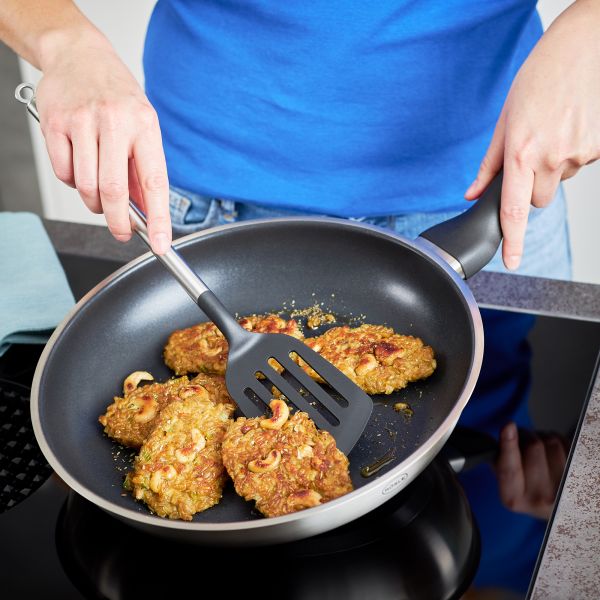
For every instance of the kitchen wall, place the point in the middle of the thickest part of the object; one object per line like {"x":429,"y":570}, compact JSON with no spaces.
{"x":125,"y":23}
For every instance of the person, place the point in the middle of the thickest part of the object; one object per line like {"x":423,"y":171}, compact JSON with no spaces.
{"x":380,"y":111}
{"x":345,"y":108}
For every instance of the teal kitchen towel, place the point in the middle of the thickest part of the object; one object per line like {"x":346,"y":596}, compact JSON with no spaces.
{"x":34,"y":293}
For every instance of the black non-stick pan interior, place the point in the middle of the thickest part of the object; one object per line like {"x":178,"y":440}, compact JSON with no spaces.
{"x":360,"y":274}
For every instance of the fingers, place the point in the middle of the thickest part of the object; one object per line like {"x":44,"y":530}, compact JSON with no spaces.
{"x":529,"y":474}
{"x":60,"y":152}
{"x":95,"y":132}
{"x":84,"y":140}
{"x":517,"y":190}
{"x":539,"y":485}
{"x":531,"y":176}
{"x":491,"y":163}
{"x":106,"y":162}
{"x":153,"y":182}
{"x":135,"y":190}
{"x":544,"y":187}
{"x":557,"y":458}
{"x":113,"y":181}
{"x":509,"y":468}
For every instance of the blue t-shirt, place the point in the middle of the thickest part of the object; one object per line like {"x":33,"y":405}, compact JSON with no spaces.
{"x":333,"y":106}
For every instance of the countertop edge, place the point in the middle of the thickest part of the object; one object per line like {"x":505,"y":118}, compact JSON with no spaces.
{"x":491,"y":290}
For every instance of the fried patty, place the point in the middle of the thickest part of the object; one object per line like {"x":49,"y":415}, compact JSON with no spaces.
{"x":130,"y":419}
{"x":284,"y":469}
{"x":178,"y":471}
{"x":203,"y":349}
{"x":376,"y":358}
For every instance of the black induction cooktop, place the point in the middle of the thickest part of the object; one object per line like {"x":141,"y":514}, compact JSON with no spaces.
{"x":444,"y":534}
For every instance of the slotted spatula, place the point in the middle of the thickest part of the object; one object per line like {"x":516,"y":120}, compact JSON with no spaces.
{"x":249,"y":375}
{"x":344,"y":414}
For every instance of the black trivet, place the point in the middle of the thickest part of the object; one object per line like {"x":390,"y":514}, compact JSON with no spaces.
{"x":23,"y":467}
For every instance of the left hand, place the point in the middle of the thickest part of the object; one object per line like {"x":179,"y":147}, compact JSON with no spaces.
{"x":549,"y":126}
{"x":529,"y":476}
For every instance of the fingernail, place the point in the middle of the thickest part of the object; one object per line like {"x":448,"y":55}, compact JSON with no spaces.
{"x":122,"y":237}
{"x":471,"y":188}
{"x":160,"y":243}
{"x":510,"y":432}
{"x":513,"y":261}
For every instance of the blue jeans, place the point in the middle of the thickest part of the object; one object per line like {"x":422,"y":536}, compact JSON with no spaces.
{"x":547,"y":248}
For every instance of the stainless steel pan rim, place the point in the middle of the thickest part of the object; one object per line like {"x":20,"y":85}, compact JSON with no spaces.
{"x":313,"y":520}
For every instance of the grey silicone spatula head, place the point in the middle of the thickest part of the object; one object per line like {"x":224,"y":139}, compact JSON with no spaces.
{"x":340,"y":407}
{"x":258,"y":362}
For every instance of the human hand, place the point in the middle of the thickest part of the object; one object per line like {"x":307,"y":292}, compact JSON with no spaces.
{"x":528,"y":477}
{"x":549,"y":126}
{"x":102,"y":134}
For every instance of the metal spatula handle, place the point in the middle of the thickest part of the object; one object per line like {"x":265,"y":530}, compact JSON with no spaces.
{"x":193,"y":285}
{"x":198,"y":291}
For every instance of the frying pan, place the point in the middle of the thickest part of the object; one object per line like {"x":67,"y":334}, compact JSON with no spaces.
{"x":359,"y":272}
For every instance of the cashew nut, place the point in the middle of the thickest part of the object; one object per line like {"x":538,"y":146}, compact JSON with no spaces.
{"x":147,"y":409}
{"x":198,"y":439}
{"x":299,"y":428}
{"x":304,"y":499}
{"x":186,"y":454}
{"x":367,"y":363}
{"x":246,"y":324}
{"x":210,"y":352}
{"x":167,"y":472}
{"x":281,"y":412}
{"x":314,"y":345}
{"x":196,"y":390}
{"x":270,"y":463}
{"x":133,"y":380}
{"x":304,"y":451}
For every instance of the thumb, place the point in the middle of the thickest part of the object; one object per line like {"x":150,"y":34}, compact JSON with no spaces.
{"x":491,"y":163}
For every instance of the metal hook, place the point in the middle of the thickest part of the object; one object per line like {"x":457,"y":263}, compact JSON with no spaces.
{"x":27,"y":98}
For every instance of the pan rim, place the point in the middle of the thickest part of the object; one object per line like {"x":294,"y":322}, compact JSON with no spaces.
{"x":386,"y":485}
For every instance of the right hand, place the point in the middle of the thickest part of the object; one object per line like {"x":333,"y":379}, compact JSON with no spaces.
{"x":103,"y":136}
{"x":529,"y":475}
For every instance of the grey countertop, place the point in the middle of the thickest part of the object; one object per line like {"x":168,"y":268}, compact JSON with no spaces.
{"x":569,"y":565}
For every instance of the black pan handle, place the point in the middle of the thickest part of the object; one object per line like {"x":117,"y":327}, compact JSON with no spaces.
{"x":467,"y":448}
{"x":472,"y":237}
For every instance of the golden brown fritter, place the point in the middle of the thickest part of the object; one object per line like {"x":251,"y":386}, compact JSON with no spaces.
{"x":374,"y":357}
{"x":130,"y":419}
{"x":179,"y":471}
{"x":284,"y":463}
{"x":215,"y":386}
{"x":203,"y":349}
